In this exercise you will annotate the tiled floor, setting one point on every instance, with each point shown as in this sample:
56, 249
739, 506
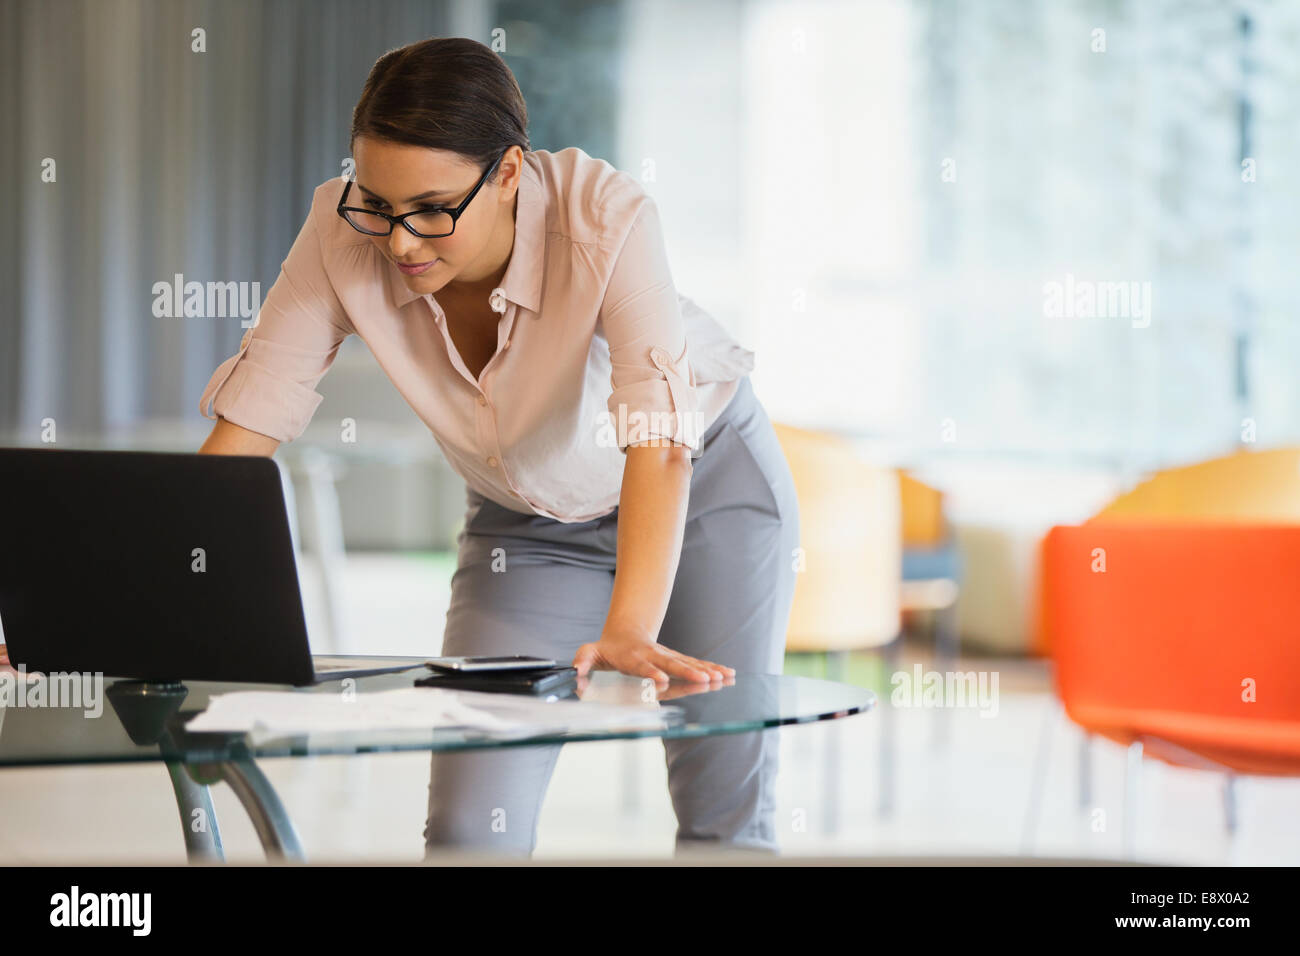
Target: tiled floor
607, 800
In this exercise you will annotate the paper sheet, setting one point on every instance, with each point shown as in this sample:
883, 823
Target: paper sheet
267, 713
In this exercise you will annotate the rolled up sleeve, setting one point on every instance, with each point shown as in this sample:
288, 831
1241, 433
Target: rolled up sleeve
269, 385
653, 397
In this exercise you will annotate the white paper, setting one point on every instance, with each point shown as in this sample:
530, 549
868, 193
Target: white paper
267, 713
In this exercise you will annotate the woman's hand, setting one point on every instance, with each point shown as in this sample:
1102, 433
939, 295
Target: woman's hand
4, 655
639, 656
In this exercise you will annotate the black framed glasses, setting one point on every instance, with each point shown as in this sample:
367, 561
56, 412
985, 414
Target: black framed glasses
433, 223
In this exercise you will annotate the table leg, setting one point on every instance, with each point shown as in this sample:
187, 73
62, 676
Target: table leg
198, 818
260, 801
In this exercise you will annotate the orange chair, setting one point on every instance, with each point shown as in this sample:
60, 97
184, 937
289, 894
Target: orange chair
1172, 619
1246, 486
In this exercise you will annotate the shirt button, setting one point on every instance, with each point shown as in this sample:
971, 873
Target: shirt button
492, 461
659, 355
482, 400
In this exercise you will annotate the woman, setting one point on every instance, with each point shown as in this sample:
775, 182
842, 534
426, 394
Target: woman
628, 504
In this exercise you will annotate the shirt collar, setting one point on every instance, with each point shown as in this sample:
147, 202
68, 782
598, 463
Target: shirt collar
522, 283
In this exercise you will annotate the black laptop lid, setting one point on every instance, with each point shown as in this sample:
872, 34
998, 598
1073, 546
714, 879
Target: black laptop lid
149, 565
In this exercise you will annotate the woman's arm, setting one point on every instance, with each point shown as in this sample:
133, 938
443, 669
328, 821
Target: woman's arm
227, 438
269, 386
651, 519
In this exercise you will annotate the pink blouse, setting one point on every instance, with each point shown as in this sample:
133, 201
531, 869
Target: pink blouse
595, 347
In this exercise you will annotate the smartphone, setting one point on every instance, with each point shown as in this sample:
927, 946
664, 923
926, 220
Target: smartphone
466, 664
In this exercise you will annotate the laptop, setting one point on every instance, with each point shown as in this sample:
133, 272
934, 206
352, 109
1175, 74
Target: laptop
156, 566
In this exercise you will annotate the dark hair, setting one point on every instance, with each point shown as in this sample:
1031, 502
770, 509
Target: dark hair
448, 93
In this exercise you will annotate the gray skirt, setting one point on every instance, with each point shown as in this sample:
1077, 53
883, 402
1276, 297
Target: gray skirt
730, 604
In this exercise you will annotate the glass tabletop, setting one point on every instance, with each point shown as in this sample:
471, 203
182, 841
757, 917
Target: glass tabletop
148, 723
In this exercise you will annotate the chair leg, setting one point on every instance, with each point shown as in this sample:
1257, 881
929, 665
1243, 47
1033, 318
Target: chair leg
1230, 802
1085, 771
835, 671
947, 647
1132, 798
290, 507
327, 539
1233, 794
947, 641
836, 665
1038, 778
831, 778
891, 656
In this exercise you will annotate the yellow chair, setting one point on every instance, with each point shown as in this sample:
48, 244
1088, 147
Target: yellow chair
923, 520
847, 593
1243, 486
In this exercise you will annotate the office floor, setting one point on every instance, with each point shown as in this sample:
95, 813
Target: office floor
606, 800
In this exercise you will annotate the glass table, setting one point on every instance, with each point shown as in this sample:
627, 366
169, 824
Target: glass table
142, 722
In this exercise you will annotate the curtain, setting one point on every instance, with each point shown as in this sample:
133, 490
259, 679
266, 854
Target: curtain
164, 160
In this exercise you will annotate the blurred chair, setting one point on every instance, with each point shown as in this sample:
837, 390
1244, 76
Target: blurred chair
1184, 646
1246, 486
847, 590
931, 575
